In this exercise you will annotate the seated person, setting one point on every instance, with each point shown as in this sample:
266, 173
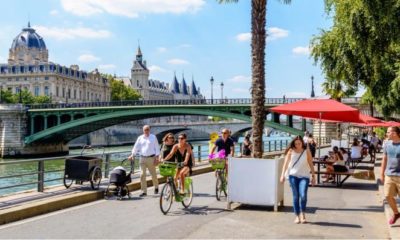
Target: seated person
356, 149
338, 164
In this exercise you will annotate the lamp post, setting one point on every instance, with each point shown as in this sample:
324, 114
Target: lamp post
222, 90
212, 84
20, 93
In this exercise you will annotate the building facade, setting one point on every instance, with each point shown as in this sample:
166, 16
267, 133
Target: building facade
151, 89
28, 68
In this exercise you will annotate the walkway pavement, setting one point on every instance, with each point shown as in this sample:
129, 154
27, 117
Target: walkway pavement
354, 211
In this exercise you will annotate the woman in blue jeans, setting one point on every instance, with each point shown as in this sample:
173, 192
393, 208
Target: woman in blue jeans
298, 165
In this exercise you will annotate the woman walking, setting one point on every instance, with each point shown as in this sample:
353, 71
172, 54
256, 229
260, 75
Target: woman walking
298, 165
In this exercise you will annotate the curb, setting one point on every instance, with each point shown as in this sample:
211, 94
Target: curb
33, 209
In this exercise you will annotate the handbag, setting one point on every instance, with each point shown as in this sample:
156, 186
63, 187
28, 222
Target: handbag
294, 164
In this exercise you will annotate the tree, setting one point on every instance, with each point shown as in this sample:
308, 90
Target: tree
119, 91
363, 48
258, 43
42, 99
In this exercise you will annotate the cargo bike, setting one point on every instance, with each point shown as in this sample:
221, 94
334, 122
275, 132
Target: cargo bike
83, 168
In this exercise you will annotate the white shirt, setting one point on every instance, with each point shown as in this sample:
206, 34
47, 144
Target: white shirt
146, 146
374, 141
356, 151
301, 169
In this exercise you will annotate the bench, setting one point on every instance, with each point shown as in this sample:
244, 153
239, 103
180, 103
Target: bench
339, 180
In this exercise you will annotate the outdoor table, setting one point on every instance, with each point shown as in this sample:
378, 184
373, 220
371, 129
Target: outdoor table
319, 162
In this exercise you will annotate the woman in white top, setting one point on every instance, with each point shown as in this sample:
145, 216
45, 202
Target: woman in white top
356, 149
298, 159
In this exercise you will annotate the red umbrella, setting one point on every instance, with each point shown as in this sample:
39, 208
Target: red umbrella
322, 109
368, 119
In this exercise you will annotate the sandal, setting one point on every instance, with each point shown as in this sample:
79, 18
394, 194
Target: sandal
394, 218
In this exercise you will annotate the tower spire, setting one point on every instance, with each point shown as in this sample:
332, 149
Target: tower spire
312, 86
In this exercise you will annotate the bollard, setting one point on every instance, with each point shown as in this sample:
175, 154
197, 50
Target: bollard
199, 153
107, 166
40, 186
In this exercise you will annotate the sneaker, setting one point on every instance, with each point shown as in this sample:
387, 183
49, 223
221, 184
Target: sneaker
143, 195
394, 218
156, 191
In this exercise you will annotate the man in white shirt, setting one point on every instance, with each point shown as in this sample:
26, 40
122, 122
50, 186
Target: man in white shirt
147, 146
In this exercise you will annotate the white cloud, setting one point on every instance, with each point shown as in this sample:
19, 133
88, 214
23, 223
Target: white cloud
86, 58
155, 68
240, 79
301, 50
71, 33
161, 49
54, 12
131, 8
177, 61
241, 90
106, 66
296, 95
243, 37
275, 33
185, 45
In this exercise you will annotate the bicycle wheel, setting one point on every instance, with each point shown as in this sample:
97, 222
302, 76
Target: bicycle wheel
95, 178
166, 198
67, 182
218, 186
188, 197
224, 184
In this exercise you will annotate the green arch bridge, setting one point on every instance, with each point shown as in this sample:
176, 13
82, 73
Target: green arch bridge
60, 123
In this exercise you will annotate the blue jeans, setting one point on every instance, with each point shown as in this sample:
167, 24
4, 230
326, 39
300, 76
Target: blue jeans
299, 189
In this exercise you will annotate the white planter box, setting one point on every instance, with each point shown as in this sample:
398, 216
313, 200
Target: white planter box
255, 181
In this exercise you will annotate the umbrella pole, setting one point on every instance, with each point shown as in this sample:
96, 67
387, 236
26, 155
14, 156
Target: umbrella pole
319, 134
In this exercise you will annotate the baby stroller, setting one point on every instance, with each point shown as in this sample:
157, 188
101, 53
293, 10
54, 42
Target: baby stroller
119, 180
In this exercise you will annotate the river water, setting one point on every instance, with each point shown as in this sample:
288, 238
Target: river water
116, 155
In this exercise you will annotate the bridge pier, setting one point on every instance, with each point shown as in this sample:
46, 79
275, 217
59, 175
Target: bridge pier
289, 120
275, 117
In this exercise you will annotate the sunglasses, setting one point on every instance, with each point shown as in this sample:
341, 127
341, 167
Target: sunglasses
171, 137
180, 138
224, 132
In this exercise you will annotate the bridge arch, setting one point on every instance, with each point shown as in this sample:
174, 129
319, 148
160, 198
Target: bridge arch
75, 128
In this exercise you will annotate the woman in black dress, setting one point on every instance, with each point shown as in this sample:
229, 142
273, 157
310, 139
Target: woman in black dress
182, 152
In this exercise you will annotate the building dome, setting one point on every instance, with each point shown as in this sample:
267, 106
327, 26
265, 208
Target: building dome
28, 38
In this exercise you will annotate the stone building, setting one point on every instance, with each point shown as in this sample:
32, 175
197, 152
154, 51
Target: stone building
151, 89
28, 68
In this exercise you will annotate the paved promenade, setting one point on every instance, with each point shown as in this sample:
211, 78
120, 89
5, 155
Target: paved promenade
354, 211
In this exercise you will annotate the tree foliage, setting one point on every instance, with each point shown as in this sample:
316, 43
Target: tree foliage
25, 97
119, 91
362, 49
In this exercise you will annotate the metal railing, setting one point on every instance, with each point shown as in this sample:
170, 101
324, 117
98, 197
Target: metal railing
43, 174
244, 101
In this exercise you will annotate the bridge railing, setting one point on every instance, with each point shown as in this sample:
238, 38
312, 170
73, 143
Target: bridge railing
246, 101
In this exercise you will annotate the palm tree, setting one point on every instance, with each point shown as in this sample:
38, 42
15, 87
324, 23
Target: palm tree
258, 43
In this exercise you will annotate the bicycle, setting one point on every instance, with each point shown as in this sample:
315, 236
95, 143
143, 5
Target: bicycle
170, 192
221, 184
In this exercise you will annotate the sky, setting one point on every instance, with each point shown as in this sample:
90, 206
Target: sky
196, 39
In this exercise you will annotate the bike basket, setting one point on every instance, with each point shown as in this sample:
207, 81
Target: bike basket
167, 170
217, 163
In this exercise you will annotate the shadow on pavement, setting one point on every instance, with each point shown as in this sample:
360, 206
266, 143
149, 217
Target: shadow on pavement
202, 210
332, 224
365, 209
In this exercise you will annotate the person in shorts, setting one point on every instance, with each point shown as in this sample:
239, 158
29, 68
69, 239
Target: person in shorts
390, 171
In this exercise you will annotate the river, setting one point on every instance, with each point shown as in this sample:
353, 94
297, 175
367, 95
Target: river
117, 154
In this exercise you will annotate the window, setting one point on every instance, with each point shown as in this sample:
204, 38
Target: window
17, 89
74, 93
63, 92
37, 91
46, 90
46, 78
57, 91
